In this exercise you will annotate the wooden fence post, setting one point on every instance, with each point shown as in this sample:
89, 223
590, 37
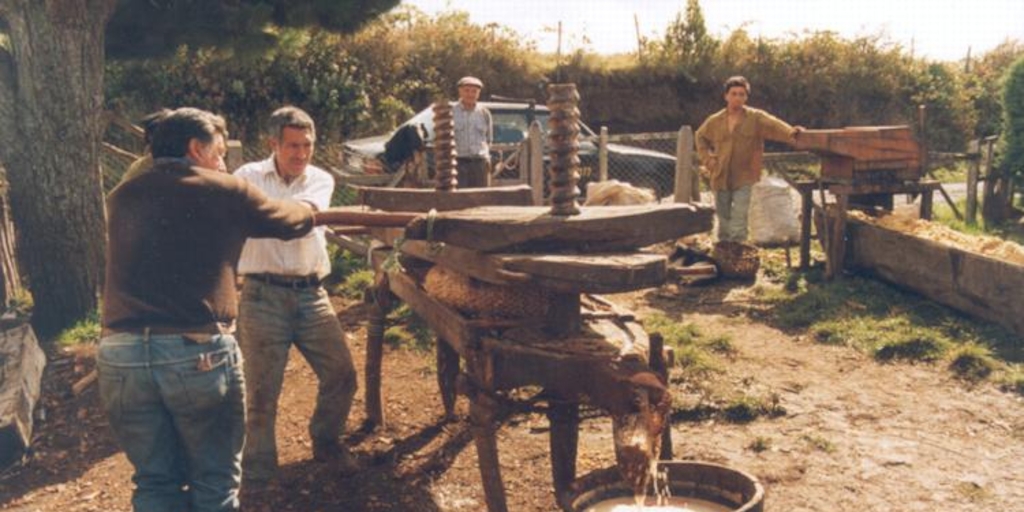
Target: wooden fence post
971, 209
536, 163
602, 155
687, 187
235, 157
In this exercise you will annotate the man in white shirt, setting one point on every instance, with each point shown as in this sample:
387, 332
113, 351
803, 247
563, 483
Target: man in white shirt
473, 135
283, 303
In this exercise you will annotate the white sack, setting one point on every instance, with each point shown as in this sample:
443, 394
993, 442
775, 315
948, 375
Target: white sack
773, 215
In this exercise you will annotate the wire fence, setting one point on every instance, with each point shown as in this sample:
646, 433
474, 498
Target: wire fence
644, 160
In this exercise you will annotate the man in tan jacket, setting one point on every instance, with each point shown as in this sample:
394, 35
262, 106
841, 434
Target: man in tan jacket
731, 146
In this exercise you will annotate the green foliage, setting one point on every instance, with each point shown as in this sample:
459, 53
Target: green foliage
408, 331
140, 28
687, 43
308, 70
1012, 143
984, 82
355, 284
86, 330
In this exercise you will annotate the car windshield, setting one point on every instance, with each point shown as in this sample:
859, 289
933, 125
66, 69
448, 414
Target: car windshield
510, 125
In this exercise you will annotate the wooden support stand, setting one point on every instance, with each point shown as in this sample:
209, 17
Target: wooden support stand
584, 349
846, 195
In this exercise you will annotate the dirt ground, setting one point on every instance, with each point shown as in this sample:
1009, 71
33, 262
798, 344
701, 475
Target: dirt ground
856, 435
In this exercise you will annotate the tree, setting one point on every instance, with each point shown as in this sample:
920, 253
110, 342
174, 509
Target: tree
52, 83
1013, 122
51, 90
687, 42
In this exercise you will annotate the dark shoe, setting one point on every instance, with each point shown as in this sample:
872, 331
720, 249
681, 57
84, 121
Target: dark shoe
338, 455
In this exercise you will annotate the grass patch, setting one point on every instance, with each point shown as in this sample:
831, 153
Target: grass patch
354, 285
85, 331
819, 443
915, 347
746, 408
973, 362
1013, 379
874, 317
344, 265
760, 444
408, 330
973, 492
695, 354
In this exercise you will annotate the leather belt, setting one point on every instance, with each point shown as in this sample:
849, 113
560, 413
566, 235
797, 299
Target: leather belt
293, 282
194, 334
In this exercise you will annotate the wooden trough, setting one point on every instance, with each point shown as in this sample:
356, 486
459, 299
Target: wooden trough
979, 285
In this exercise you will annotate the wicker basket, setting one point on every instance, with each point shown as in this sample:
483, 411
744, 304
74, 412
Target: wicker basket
736, 260
485, 300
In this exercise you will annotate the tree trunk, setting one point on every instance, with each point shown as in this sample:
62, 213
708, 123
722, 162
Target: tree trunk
10, 288
52, 79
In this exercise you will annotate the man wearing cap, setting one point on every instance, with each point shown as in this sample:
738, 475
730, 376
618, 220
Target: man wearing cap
473, 134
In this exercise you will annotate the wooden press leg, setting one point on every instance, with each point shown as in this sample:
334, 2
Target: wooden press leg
660, 366
447, 372
563, 317
926, 204
374, 359
806, 201
837, 244
483, 418
564, 441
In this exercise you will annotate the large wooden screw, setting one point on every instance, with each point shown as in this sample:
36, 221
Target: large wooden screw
444, 146
563, 148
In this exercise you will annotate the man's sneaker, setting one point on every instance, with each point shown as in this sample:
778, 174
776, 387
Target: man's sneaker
336, 454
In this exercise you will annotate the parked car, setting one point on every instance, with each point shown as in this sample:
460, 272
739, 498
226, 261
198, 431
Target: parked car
641, 167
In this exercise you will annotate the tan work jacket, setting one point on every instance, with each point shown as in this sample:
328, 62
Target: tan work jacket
739, 152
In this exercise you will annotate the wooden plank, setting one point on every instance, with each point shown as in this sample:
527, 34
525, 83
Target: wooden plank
21, 373
467, 261
975, 284
595, 229
596, 273
360, 216
445, 321
424, 200
588, 273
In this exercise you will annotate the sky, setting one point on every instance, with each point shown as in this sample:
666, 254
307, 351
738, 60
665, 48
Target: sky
936, 29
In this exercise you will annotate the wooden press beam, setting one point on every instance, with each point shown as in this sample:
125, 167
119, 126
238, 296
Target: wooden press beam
595, 229
424, 200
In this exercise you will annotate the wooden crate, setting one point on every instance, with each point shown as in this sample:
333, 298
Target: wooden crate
865, 153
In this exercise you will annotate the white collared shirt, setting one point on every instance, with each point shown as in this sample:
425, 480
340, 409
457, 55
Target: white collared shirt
299, 257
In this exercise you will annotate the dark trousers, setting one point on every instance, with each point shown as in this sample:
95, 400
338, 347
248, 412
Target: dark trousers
474, 172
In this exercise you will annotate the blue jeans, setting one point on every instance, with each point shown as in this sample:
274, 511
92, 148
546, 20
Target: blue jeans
732, 207
177, 408
271, 319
